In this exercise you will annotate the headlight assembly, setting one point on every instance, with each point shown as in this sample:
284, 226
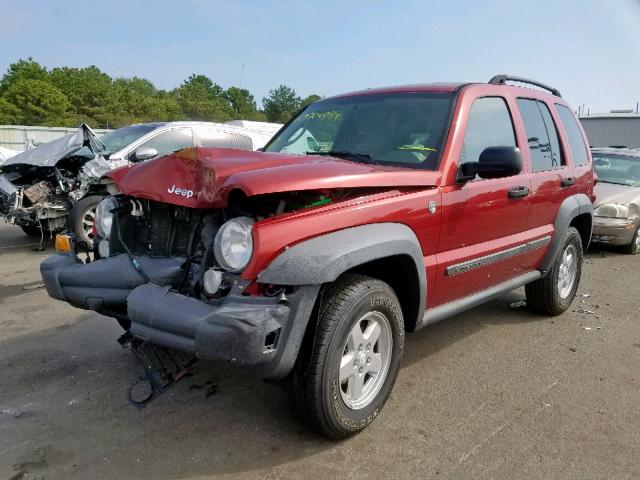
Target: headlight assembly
104, 217
612, 210
233, 245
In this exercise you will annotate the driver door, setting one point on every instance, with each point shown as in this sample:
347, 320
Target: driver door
483, 219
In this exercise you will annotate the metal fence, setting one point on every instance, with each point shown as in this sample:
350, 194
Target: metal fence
21, 137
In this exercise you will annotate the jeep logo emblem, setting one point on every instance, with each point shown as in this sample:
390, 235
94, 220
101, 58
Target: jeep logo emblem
183, 192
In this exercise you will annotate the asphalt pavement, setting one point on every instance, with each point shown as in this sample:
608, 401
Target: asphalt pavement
497, 392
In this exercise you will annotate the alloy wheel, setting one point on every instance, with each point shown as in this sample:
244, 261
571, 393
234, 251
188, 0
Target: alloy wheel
365, 360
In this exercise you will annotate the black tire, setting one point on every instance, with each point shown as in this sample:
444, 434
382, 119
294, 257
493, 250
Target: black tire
544, 295
32, 231
314, 388
78, 221
634, 247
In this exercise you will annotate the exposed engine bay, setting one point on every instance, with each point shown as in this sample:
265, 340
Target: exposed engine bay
145, 228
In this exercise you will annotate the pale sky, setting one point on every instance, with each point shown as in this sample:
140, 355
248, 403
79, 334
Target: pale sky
588, 49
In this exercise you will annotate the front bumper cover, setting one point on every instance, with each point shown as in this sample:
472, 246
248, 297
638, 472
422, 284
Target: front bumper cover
261, 332
613, 231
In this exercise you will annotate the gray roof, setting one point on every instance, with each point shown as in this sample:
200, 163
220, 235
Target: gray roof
612, 130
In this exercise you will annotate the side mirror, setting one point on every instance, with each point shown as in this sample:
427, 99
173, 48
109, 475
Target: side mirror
145, 153
494, 162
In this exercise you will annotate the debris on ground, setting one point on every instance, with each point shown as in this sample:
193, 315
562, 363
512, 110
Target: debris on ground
519, 304
33, 287
585, 295
573, 349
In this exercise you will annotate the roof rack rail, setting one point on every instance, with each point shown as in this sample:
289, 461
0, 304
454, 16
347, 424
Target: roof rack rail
502, 79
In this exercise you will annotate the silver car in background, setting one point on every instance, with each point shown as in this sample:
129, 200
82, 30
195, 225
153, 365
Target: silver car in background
617, 207
58, 185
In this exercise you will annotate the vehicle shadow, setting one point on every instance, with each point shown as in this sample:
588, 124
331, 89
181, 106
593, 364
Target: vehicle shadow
66, 387
12, 237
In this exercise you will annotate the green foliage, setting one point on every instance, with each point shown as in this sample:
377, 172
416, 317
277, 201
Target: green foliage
23, 70
310, 99
89, 92
9, 113
281, 104
201, 99
66, 96
242, 103
40, 103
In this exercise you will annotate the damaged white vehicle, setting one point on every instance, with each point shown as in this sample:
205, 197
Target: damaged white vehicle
59, 184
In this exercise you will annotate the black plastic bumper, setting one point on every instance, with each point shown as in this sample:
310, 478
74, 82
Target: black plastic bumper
104, 285
261, 332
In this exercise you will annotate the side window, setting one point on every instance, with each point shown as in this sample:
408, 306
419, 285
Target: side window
244, 142
170, 141
541, 135
489, 125
574, 136
214, 138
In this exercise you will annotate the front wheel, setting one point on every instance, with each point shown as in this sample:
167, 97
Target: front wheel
634, 247
553, 294
343, 378
82, 218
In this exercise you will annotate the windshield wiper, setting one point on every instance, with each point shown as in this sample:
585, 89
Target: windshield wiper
358, 157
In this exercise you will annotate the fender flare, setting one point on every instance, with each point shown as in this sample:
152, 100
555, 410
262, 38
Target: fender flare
324, 258
570, 208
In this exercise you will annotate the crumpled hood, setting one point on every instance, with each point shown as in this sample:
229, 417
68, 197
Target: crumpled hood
614, 193
203, 177
50, 153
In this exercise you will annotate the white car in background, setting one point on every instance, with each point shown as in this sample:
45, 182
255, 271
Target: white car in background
6, 154
58, 184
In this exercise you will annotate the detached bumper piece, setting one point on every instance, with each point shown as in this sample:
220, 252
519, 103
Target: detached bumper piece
162, 368
264, 333
104, 285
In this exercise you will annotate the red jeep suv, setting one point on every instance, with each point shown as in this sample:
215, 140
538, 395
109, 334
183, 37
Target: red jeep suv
368, 215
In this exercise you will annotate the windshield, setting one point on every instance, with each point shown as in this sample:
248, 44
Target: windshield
618, 169
118, 139
402, 129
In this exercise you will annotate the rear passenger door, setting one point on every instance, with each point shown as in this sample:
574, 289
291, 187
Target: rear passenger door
551, 176
482, 220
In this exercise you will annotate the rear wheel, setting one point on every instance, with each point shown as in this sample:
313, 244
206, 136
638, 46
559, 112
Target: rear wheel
553, 294
82, 218
343, 379
634, 247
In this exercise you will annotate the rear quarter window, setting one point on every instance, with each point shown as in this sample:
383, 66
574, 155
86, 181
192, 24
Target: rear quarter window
574, 136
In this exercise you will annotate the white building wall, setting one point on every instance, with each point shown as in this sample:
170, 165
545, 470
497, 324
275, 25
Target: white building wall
20, 137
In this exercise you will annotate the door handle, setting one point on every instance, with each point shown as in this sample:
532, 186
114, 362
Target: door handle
518, 192
567, 182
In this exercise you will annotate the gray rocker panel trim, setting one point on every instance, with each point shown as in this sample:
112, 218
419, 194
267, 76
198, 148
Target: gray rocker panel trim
441, 312
570, 208
324, 258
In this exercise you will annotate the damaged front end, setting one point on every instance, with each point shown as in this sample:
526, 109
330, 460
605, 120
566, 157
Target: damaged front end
35, 198
173, 281
40, 186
